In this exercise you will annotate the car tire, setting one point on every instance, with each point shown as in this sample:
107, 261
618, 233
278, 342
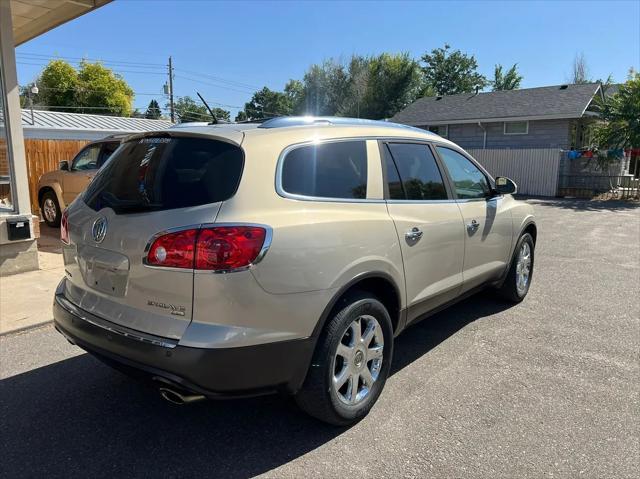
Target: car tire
364, 358
50, 209
516, 284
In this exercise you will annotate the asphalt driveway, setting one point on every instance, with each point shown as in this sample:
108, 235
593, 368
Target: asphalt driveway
550, 387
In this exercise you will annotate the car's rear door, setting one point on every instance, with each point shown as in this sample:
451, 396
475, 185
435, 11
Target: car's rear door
488, 225
428, 224
151, 186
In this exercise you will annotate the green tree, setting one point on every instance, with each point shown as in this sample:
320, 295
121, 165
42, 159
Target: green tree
393, 81
58, 85
221, 114
326, 87
153, 110
241, 116
294, 89
620, 115
92, 88
451, 72
187, 109
103, 89
267, 103
506, 81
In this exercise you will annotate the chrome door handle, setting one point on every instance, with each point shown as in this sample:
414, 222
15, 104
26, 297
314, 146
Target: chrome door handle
414, 234
473, 226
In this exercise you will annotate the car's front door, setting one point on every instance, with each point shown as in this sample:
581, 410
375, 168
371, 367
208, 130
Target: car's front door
428, 223
83, 169
488, 226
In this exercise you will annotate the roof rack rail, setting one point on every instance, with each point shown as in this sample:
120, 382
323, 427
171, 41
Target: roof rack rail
288, 121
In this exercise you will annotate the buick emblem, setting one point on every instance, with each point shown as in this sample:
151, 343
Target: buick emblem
99, 229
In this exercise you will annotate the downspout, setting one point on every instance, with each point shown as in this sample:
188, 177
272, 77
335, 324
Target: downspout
484, 139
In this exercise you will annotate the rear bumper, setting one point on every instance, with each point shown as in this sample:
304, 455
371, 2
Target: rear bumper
215, 372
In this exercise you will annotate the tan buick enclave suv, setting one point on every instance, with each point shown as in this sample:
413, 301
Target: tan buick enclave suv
231, 260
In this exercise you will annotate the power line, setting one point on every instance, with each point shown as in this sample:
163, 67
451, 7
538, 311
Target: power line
118, 71
246, 90
212, 78
211, 101
95, 91
219, 79
54, 57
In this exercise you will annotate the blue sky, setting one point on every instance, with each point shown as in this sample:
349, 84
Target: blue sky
232, 48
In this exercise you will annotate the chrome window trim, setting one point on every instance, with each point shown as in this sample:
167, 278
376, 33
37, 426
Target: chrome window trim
426, 202
268, 238
293, 196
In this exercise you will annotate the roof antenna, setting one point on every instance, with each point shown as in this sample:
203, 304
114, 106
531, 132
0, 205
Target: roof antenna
477, 89
215, 120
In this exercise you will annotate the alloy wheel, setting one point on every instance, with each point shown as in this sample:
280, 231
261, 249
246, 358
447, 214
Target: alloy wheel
523, 268
358, 360
49, 210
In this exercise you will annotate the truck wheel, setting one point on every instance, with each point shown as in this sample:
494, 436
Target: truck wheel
351, 362
50, 209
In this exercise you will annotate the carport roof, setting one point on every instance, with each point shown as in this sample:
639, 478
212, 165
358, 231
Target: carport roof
56, 120
34, 17
550, 102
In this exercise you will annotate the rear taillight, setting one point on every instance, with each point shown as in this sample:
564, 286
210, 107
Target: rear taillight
173, 250
222, 248
228, 247
64, 227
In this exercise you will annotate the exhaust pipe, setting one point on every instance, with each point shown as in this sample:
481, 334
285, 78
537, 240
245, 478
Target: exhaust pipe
175, 397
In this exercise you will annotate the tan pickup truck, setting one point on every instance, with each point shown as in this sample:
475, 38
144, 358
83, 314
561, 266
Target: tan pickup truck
56, 189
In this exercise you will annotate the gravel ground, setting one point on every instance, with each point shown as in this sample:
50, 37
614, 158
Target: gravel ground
549, 387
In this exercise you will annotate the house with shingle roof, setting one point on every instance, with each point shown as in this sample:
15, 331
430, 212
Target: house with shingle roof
546, 117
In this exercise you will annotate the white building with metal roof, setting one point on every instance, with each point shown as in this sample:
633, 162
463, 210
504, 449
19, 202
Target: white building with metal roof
55, 125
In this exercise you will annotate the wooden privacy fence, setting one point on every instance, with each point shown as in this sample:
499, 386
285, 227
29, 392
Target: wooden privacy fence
534, 170
44, 156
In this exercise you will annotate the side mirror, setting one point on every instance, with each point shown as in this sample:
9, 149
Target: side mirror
64, 165
505, 186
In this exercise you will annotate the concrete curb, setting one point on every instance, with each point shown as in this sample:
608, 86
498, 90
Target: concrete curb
26, 328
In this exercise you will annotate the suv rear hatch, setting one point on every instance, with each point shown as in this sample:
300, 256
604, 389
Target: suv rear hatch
150, 186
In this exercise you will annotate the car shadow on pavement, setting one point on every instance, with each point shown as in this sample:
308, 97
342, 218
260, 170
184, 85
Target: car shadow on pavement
78, 417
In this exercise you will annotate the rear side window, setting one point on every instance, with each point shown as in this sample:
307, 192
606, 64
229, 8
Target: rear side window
327, 170
162, 173
412, 173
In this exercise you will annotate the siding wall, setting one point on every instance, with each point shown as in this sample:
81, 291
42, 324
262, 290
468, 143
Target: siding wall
542, 134
534, 170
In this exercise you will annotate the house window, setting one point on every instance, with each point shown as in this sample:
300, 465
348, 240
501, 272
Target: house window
442, 130
516, 127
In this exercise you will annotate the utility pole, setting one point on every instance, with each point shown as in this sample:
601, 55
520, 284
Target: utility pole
171, 106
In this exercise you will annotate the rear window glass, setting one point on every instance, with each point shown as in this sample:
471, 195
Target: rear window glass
162, 173
328, 170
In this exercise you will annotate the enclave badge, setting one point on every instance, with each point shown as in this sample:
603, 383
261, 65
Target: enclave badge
99, 229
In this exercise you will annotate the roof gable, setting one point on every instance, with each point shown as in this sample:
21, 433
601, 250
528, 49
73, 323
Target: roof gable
560, 101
